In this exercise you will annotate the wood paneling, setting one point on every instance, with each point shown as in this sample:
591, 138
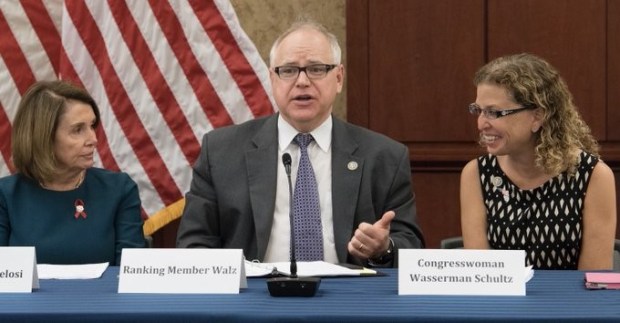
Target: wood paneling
613, 70
437, 196
569, 34
422, 57
357, 64
166, 237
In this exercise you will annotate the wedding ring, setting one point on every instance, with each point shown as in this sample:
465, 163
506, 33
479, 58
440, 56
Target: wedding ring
361, 246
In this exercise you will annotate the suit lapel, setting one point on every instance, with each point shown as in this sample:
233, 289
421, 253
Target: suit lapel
262, 172
346, 178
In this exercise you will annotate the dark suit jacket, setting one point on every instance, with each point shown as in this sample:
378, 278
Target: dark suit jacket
231, 200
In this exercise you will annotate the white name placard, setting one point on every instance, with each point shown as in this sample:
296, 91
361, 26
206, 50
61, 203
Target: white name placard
461, 272
190, 271
18, 270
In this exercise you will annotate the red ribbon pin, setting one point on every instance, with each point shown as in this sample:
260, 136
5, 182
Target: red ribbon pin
79, 209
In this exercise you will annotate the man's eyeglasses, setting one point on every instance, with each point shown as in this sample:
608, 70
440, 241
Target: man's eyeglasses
495, 114
314, 71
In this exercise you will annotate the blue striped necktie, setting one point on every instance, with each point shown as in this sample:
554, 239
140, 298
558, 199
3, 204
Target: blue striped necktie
306, 207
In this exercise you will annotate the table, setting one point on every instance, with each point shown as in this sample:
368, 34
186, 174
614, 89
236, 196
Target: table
551, 296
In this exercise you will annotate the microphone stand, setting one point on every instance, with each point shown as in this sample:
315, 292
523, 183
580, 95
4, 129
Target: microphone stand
292, 285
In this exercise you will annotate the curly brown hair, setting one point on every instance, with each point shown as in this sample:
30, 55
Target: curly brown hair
532, 81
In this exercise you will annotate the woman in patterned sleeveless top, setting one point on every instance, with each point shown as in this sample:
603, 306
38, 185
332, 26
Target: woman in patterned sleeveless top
542, 187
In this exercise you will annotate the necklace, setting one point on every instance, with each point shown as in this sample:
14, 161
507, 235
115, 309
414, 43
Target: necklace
80, 180
77, 184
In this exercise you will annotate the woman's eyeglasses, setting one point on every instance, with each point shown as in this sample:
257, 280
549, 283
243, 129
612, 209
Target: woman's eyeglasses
495, 114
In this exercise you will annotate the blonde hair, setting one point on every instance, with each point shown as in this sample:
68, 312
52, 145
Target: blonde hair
531, 81
35, 125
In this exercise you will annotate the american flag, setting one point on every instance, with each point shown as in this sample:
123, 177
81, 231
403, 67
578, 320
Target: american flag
162, 72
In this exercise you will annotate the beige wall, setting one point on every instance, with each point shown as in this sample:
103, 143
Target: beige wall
264, 20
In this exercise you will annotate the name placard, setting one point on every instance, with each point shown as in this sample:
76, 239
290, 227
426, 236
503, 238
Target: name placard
18, 270
190, 271
461, 272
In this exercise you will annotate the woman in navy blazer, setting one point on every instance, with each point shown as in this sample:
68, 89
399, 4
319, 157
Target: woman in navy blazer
70, 211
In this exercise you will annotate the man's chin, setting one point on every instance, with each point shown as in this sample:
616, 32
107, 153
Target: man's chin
301, 117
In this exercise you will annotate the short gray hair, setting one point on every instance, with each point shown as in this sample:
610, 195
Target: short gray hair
302, 23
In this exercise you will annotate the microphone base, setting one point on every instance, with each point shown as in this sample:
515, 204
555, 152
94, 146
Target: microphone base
293, 287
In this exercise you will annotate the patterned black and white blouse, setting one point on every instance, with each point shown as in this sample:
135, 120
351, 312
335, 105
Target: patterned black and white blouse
545, 221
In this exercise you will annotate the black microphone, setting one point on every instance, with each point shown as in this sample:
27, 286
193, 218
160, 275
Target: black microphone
292, 285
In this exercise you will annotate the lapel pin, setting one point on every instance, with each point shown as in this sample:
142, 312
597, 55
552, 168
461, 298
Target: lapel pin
79, 209
497, 181
352, 165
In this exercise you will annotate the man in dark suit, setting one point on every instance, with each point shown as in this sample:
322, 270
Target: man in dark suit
239, 196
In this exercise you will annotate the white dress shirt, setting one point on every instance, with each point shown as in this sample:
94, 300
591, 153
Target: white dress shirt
320, 153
